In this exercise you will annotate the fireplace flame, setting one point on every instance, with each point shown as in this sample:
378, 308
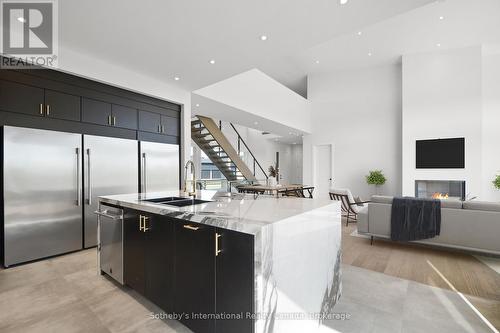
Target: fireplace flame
439, 195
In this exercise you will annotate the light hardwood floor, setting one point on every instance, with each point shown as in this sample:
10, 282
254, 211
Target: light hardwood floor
435, 267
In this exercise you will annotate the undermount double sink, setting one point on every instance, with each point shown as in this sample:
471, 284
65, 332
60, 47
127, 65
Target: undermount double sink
177, 201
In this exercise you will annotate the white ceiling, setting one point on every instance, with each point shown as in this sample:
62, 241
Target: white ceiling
438, 26
167, 38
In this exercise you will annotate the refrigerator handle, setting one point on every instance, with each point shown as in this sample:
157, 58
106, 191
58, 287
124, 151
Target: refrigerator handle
78, 190
89, 179
144, 188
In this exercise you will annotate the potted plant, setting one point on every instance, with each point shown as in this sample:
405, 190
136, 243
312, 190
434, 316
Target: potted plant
273, 173
496, 182
377, 178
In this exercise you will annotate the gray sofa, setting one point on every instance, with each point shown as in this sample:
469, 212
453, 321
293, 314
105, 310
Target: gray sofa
471, 225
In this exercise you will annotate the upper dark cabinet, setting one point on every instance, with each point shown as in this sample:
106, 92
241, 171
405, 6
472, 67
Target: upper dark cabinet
169, 125
124, 117
62, 106
149, 122
15, 97
96, 112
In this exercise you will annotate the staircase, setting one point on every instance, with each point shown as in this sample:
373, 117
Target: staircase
208, 136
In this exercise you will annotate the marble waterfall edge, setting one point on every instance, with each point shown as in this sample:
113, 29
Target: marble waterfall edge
298, 272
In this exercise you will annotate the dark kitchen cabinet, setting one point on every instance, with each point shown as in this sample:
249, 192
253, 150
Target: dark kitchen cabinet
191, 268
52, 100
15, 97
134, 268
124, 117
107, 114
195, 274
62, 106
160, 261
149, 256
96, 112
169, 125
149, 122
234, 270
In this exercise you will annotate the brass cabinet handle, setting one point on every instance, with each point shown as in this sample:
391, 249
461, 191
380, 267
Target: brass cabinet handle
109, 120
159, 128
140, 222
47, 110
145, 219
190, 227
114, 121
217, 251
162, 129
41, 109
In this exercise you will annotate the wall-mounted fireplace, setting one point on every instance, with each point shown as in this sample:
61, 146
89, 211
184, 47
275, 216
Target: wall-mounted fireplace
440, 189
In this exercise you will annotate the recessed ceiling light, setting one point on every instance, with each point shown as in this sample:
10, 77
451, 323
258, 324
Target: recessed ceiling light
255, 122
176, 78
21, 19
369, 54
263, 37
441, 17
212, 61
360, 33
438, 44
197, 105
317, 61
343, 2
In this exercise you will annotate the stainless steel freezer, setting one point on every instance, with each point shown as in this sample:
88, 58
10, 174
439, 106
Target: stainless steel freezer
159, 167
42, 193
110, 167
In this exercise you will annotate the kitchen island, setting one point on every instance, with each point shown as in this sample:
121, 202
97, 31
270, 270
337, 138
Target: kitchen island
235, 263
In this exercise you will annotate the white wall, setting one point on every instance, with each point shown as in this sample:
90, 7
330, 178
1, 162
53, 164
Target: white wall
92, 68
359, 112
442, 99
491, 125
254, 95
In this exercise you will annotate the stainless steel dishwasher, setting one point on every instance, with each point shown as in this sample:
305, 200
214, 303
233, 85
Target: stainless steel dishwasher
110, 241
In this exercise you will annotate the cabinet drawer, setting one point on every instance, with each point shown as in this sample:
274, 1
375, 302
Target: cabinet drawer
15, 97
62, 106
95, 112
149, 121
124, 117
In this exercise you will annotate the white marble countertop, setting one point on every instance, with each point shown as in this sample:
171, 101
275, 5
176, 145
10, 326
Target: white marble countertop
239, 212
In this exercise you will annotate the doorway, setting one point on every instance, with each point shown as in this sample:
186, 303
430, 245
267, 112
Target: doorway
323, 169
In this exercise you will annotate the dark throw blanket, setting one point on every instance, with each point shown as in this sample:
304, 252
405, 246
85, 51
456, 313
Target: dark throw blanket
415, 218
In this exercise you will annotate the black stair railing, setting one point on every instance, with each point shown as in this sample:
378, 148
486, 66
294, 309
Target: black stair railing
240, 141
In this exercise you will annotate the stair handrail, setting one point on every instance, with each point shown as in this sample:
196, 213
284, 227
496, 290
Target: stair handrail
255, 161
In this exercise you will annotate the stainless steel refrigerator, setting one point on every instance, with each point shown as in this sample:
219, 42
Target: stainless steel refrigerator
159, 167
51, 182
42, 193
110, 167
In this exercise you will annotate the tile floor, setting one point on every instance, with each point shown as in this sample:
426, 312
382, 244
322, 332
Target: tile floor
65, 294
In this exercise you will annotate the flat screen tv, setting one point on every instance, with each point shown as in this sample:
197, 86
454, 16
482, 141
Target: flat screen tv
441, 154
